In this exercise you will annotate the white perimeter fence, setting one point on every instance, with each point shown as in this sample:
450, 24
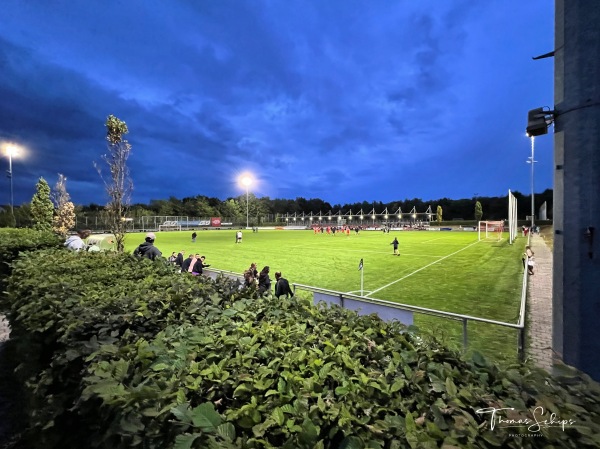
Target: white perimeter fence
404, 313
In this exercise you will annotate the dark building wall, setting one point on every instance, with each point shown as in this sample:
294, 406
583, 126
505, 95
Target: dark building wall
576, 281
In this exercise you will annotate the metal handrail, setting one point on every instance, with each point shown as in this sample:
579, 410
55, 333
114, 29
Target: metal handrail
520, 325
396, 305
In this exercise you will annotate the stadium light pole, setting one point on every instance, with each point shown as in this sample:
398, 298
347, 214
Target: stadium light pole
531, 160
11, 150
246, 181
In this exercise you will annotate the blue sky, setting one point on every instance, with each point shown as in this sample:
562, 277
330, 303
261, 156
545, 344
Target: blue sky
346, 101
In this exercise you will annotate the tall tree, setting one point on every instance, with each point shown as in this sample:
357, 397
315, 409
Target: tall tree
42, 209
439, 215
478, 211
120, 185
64, 216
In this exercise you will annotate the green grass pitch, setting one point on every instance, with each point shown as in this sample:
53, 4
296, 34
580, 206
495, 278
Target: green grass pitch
449, 271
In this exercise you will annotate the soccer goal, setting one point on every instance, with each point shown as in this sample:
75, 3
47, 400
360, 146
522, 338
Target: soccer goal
490, 230
170, 226
512, 217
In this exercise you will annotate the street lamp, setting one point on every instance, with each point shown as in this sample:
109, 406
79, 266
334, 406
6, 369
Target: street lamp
246, 181
530, 160
11, 150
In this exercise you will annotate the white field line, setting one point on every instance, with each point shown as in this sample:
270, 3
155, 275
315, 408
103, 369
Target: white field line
431, 240
422, 268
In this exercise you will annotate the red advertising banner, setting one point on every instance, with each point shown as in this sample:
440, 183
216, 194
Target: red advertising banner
215, 221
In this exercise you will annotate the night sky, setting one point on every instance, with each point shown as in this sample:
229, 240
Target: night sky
346, 101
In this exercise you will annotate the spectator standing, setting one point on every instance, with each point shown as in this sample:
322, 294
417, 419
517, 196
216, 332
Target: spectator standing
179, 259
395, 244
282, 286
199, 266
253, 269
147, 249
529, 256
188, 264
264, 281
75, 242
250, 275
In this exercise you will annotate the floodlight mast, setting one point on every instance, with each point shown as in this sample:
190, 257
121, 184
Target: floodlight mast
537, 125
246, 181
11, 150
532, 161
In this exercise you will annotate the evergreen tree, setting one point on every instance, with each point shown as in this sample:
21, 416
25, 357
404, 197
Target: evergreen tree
42, 209
478, 211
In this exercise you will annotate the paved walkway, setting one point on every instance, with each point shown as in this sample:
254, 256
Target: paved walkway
540, 305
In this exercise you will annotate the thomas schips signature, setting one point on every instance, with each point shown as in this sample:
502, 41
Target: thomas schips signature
536, 423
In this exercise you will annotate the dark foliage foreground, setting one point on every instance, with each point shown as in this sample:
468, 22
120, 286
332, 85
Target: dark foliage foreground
125, 353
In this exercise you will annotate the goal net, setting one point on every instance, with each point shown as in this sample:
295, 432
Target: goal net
170, 226
490, 230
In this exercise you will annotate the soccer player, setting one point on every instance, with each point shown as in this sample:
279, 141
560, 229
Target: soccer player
395, 244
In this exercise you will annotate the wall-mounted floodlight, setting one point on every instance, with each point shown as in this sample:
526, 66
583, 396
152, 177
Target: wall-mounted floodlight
537, 121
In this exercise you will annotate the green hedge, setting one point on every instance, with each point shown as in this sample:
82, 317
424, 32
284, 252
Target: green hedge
127, 353
14, 241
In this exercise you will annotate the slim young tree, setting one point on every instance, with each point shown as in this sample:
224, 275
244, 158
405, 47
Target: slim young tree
120, 185
478, 211
439, 215
42, 209
64, 216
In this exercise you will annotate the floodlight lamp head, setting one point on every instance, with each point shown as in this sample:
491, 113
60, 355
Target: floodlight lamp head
537, 123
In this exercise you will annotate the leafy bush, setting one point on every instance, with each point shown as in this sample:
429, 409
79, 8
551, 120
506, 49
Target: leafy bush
126, 353
15, 241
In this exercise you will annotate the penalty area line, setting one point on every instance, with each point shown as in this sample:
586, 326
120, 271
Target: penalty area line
420, 269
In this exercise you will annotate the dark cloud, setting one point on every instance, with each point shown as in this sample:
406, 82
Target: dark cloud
342, 100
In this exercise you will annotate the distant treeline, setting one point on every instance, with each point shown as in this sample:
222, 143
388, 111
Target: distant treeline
494, 208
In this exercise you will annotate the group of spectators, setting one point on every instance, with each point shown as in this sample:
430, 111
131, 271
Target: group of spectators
262, 282
195, 264
533, 229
